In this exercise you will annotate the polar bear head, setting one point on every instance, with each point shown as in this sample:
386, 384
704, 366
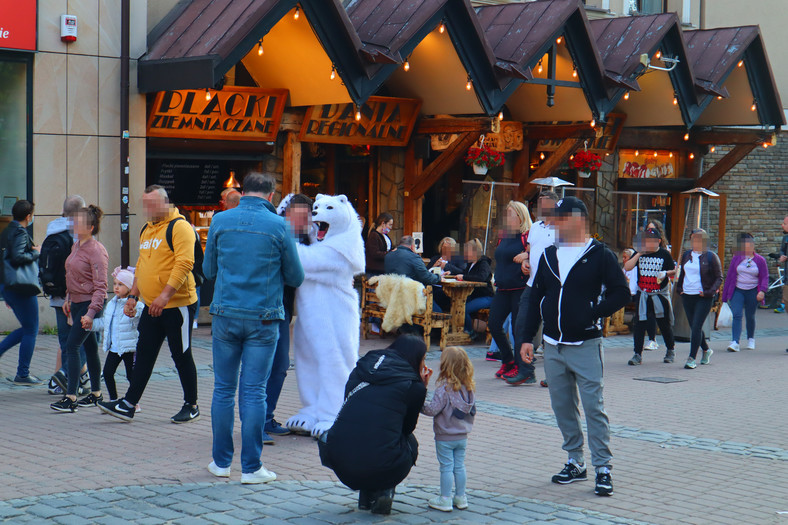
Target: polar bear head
333, 215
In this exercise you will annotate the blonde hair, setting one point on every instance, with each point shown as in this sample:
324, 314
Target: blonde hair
446, 240
456, 369
476, 244
522, 212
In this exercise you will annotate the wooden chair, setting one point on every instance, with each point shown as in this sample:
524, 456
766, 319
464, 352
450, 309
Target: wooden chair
429, 320
484, 316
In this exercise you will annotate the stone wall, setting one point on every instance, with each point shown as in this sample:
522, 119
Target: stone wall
392, 186
605, 224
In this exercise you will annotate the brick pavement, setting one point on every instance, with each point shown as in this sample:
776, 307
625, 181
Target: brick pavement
707, 450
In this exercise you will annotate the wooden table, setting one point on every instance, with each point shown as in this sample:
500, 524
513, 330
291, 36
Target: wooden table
458, 292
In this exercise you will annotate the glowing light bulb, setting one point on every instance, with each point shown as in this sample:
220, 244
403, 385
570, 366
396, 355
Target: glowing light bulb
500, 115
297, 13
358, 114
207, 94
655, 154
754, 106
469, 84
659, 55
691, 156
626, 95
741, 63
675, 101
686, 136
260, 48
765, 145
593, 123
558, 40
406, 66
574, 73
671, 155
442, 28
541, 155
637, 153
571, 157
713, 149
607, 154
539, 69
333, 73
719, 97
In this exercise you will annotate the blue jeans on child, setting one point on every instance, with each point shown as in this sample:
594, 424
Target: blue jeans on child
451, 456
743, 302
248, 346
473, 306
25, 308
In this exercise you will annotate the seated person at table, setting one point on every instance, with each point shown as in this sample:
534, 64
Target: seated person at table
477, 270
405, 261
448, 258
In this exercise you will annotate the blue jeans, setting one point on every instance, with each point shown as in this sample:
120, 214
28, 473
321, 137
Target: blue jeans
472, 306
25, 309
743, 302
451, 456
248, 346
63, 328
281, 364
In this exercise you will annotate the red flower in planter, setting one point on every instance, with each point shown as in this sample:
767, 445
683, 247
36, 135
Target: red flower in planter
586, 161
484, 156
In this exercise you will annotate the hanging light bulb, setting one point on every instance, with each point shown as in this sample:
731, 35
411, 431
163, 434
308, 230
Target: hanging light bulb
207, 94
593, 123
607, 154
469, 84
713, 149
655, 154
333, 72
571, 157
691, 156
500, 115
539, 68
765, 145
686, 136
260, 48
675, 100
541, 155
297, 13
754, 106
637, 152
741, 63
671, 155
719, 97
658, 55
574, 72
406, 66
558, 40
626, 95
358, 113
442, 28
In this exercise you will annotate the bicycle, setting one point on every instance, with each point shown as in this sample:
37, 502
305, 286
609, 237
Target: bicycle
774, 294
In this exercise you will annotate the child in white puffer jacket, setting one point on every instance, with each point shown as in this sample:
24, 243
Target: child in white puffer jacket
120, 330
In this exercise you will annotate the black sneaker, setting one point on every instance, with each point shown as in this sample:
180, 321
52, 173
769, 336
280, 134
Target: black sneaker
118, 409
496, 356
90, 400
28, 380
604, 484
54, 389
381, 501
572, 472
64, 405
522, 378
59, 378
186, 415
84, 384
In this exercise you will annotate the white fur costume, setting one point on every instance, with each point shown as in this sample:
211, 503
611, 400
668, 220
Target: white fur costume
326, 331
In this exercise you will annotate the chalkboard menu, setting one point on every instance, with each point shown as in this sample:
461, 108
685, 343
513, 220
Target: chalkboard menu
190, 182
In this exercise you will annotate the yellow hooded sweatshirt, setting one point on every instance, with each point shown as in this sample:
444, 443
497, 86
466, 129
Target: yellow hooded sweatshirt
159, 266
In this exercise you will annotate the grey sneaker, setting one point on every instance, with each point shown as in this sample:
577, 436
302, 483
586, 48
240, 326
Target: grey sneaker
706, 356
28, 380
637, 359
670, 355
690, 364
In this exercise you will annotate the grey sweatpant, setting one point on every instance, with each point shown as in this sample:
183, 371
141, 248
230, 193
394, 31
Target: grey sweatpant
568, 369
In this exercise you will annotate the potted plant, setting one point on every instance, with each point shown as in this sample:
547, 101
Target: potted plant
586, 163
483, 158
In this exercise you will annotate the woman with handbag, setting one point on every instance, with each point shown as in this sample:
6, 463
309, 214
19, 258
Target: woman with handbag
20, 287
86, 290
745, 286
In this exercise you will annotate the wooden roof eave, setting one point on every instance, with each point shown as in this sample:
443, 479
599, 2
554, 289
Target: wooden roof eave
763, 85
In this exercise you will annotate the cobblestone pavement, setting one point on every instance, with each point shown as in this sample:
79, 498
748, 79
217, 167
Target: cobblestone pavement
708, 448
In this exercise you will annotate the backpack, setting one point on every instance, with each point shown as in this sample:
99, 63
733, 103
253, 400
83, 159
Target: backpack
199, 278
52, 263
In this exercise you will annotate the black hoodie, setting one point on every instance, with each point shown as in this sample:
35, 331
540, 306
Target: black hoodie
571, 312
370, 446
479, 272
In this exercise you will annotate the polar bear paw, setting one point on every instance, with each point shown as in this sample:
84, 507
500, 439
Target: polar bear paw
321, 427
301, 424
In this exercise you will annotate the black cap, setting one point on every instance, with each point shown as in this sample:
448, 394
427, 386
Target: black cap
570, 205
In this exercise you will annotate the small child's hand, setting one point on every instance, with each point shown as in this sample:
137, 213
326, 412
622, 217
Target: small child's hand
426, 373
87, 322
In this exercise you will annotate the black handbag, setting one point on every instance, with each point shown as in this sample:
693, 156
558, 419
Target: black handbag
23, 279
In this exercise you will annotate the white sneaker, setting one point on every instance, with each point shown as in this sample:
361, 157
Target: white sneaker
441, 503
652, 345
750, 344
218, 471
734, 347
195, 325
261, 476
461, 502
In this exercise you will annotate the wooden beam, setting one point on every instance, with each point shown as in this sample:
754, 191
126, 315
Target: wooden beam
438, 167
291, 171
408, 203
632, 138
453, 125
724, 165
731, 136
522, 169
584, 131
551, 163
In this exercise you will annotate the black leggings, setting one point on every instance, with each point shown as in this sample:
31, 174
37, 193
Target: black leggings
507, 302
697, 309
651, 321
174, 324
77, 337
111, 365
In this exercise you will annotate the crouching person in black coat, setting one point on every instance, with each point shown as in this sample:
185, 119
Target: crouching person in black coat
371, 447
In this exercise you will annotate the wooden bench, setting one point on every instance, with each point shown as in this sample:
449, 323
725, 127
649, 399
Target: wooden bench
429, 320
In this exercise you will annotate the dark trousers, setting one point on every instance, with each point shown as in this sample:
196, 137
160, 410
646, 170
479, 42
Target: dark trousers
279, 369
77, 337
174, 324
507, 302
111, 365
63, 328
697, 309
652, 321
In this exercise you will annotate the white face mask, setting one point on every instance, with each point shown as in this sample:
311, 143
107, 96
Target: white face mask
32, 218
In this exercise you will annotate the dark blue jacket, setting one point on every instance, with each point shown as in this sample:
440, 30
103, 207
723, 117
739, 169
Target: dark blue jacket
509, 274
403, 261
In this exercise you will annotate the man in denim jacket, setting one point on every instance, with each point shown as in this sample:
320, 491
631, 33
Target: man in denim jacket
252, 255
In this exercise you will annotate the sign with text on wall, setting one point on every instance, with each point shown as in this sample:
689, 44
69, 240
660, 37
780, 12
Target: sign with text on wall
384, 121
18, 25
647, 164
232, 113
607, 134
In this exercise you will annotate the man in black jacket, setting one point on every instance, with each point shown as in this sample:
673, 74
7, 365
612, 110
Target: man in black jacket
578, 282
405, 261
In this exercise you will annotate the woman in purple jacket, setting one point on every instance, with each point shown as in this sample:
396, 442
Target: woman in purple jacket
745, 286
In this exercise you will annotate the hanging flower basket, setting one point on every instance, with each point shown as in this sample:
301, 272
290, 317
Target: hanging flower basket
483, 158
586, 163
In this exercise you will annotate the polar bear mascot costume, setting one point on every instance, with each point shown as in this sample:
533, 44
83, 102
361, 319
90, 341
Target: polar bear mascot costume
326, 332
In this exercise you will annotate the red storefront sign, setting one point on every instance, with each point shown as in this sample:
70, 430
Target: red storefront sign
18, 24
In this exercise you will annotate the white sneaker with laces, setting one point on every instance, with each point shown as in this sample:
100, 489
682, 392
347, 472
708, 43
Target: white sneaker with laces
750, 344
261, 476
461, 502
442, 503
734, 347
218, 471
652, 345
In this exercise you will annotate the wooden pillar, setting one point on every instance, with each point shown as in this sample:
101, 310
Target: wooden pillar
331, 166
291, 171
409, 204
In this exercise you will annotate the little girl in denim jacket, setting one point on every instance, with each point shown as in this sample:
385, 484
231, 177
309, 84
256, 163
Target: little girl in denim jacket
453, 409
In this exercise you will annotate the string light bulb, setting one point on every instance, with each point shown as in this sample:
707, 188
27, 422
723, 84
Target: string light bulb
658, 55
358, 113
406, 66
571, 157
686, 136
675, 100
765, 145
207, 94
691, 156
637, 152
574, 72
559, 40
741, 63
671, 155
442, 28
541, 155
754, 106
260, 48
719, 97
626, 95
297, 13
655, 154
593, 123
469, 84
500, 115
539, 68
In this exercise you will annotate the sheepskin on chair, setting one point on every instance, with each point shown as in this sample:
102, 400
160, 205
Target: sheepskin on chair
402, 297
326, 331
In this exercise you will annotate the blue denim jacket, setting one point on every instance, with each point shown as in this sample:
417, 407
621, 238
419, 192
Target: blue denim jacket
251, 254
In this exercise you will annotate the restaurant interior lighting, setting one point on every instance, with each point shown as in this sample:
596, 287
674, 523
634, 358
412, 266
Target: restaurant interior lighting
297, 13
626, 95
719, 97
442, 28
659, 55
260, 47
207, 94
333, 72
469, 83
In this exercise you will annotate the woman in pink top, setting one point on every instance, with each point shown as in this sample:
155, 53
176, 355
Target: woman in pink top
86, 284
745, 286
